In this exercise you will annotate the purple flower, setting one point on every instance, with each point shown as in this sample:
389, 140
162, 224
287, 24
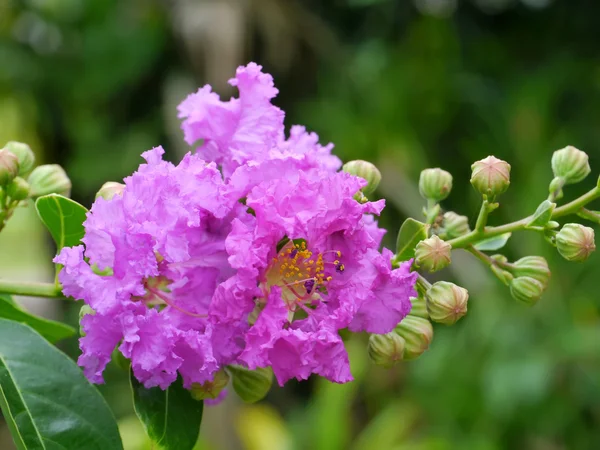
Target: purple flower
153, 259
307, 266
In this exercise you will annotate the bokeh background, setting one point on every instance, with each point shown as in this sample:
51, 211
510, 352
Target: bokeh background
407, 84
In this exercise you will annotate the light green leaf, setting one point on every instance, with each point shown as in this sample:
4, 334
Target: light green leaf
542, 214
493, 243
171, 417
411, 233
47, 402
63, 217
49, 329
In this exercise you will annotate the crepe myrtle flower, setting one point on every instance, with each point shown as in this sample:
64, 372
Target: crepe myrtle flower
307, 266
152, 260
248, 134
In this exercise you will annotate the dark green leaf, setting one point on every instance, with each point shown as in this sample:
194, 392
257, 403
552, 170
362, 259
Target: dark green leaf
411, 233
171, 417
494, 243
542, 214
46, 400
63, 217
51, 330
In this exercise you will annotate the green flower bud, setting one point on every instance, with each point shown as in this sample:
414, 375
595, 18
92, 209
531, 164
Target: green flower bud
366, 171
446, 302
433, 254
417, 334
386, 350
24, 154
9, 167
490, 176
251, 385
455, 225
526, 289
210, 389
110, 189
497, 269
49, 179
575, 242
120, 361
535, 267
435, 184
18, 189
570, 164
419, 306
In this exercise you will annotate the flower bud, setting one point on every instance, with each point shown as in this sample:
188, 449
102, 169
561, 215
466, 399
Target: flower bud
535, 267
110, 189
417, 334
433, 254
446, 302
490, 176
210, 389
9, 167
526, 289
366, 171
435, 184
419, 306
570, 164
18, 189
251, 385
575, 242
49, 179
386, 350
455, 225
120, 360
24, 155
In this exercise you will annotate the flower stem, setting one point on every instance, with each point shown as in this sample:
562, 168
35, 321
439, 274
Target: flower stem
32, 289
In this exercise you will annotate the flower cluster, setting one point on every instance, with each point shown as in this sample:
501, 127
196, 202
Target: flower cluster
252, 251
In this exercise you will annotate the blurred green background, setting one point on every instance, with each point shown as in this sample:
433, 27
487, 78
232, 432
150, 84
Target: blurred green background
407, 84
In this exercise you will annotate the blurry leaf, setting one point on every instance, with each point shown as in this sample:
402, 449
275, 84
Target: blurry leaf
411, 233
171, 417
494, 243
46, 400
390, 427
63, 217
542, 214
49, 329
260, 427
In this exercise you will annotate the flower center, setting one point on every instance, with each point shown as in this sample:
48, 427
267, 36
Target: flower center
301, 273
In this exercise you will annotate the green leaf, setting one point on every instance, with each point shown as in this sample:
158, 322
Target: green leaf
493, 243
63, 217
411, 233
49, 329
47, 402
171, 417
542, 214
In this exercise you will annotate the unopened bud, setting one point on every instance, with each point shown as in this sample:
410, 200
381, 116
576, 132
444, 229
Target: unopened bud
575, 242
455, 225
417, 334
490, 176
386, 350
419, 306
446, 302
433, 254
570, 164
535, 267
251, 385
18, 189
9, 167
503, 275
526, 289
110, 189
435, 184
24, 155
49, 179
210, 389
366, 171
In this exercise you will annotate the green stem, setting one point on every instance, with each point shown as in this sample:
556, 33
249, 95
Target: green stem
489, 232
30, 289
482, 217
